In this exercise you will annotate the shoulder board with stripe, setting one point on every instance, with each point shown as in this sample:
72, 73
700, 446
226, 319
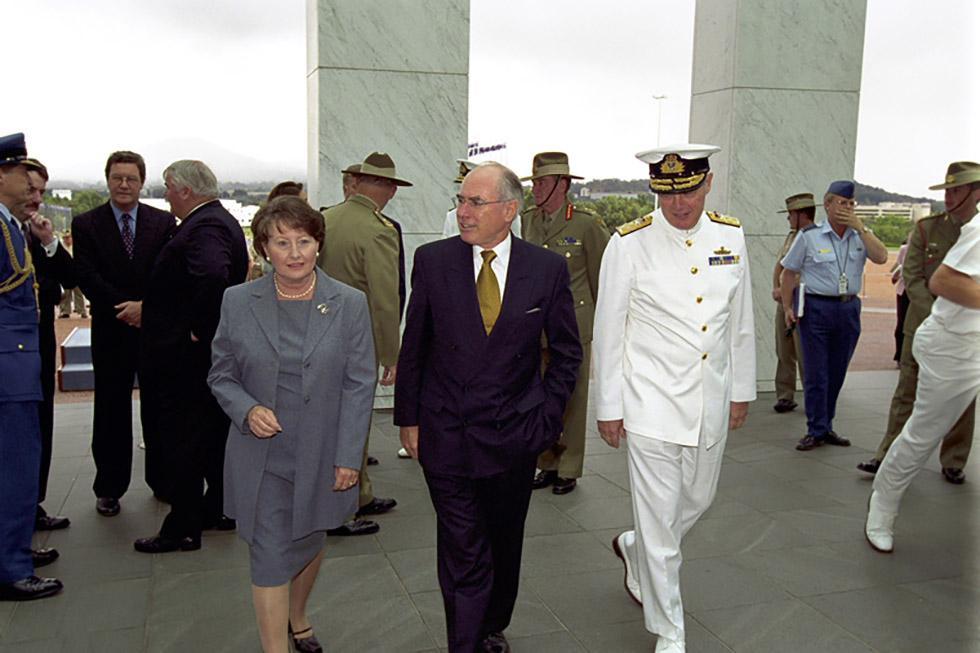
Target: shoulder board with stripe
724, 219
635, 225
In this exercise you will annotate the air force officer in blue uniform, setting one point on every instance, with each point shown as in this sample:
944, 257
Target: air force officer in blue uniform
829, 263
20, 387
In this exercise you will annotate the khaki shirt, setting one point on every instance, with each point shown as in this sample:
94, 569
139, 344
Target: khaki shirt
360, 248
929, 241
580, 237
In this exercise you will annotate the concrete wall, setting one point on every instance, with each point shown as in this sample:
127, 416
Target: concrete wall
776, 84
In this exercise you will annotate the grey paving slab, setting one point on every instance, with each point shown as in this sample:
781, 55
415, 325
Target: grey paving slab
777, 627
895, 620
722, 583
727, 536
416, 569
86, 608
778, 563
583, 600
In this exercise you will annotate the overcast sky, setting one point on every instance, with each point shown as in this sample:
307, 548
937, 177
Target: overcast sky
228, 77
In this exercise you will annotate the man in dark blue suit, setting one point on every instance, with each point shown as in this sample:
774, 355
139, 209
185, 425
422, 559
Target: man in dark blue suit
183, 425
53, 269
20, 386
471, 401
115, 247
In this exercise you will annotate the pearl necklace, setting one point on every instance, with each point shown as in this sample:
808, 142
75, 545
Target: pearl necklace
275, 282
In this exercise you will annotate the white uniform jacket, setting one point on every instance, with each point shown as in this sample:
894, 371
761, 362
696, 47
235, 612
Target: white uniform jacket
674, 337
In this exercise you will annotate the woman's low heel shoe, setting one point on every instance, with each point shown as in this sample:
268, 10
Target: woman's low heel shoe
306, 644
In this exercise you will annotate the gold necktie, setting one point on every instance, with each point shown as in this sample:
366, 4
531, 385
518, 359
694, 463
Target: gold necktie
488, 291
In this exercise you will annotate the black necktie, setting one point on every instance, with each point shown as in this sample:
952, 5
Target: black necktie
127, 234
26, 228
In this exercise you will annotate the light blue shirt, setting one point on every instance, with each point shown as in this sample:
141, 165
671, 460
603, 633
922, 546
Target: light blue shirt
820, 256
116, 211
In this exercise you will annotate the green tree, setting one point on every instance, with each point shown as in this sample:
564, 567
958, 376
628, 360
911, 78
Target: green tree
891, 229
80, 202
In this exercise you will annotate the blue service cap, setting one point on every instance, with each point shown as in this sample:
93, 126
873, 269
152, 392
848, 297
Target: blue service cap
843, 188
13, 149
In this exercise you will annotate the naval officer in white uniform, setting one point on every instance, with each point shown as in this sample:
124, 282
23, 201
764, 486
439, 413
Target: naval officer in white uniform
674, 360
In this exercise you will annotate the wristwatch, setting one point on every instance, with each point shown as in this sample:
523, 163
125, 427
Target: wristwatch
865, 229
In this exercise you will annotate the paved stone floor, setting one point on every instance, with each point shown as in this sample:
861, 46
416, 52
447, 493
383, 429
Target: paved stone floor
778, 564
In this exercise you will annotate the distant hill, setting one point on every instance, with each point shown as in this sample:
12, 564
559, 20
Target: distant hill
864, 194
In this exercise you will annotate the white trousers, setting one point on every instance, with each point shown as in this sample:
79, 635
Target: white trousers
949, 379
672, 487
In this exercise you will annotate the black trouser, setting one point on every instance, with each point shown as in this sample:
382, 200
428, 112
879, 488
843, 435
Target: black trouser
47, 345
480, 537
115, 356
188, 443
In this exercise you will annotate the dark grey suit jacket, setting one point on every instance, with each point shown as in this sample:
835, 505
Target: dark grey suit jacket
339, 374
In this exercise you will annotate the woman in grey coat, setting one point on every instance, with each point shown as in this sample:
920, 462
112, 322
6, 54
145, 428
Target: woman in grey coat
293, 367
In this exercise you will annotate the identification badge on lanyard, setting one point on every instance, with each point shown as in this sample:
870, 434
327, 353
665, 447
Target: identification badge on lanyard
842, 284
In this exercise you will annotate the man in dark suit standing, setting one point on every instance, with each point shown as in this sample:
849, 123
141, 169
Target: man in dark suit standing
115, 246
185, 427
53, 269
470, 399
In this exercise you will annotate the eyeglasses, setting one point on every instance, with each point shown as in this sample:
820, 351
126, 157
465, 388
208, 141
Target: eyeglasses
119, 179
476, 202
845, 202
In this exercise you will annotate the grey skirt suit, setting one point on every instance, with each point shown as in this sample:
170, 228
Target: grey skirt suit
312, 363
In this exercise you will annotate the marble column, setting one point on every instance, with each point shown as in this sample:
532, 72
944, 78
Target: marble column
393, 77
776, 84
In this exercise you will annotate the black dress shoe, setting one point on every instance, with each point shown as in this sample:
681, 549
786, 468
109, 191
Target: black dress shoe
496, 643
30, 588
371, 460
160, 544
308, 644
836, 440
222, 523
564, 485
544, 478
954, 475
870, 467
49, 523
42, 557
107, 506
376, 507
355, 527
784, 405
808, 442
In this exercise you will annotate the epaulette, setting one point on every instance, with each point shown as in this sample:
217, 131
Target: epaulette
529, 209
933, 216
635, 225
385, 221
723, 219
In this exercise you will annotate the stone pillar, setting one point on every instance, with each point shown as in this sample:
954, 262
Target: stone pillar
776, 84
389, 76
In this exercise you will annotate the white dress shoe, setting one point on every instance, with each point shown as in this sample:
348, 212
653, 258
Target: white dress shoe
403, 453
632, 585
880, 526
665, 645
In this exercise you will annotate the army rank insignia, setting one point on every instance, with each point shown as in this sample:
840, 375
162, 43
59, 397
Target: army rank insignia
729, 259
